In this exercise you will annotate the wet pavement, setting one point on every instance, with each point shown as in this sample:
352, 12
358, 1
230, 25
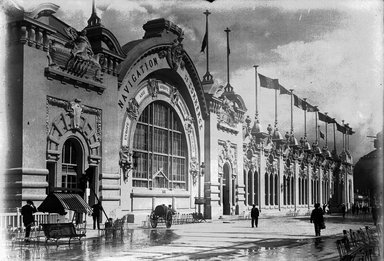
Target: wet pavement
279, 238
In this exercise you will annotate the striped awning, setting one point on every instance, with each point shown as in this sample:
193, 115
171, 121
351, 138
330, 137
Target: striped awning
59, 202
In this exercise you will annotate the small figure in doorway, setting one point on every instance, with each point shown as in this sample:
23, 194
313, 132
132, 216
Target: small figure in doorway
96, 209
255, 216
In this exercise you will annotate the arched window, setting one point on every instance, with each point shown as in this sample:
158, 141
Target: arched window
160, 150
71, 160
266, 187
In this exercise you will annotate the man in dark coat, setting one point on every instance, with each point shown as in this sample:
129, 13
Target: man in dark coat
28, 218
96, 209
317, 218
255, 215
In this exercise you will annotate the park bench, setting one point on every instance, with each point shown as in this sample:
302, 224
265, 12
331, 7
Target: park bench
56, 231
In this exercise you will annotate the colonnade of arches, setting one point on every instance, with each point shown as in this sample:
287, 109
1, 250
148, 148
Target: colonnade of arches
284, 192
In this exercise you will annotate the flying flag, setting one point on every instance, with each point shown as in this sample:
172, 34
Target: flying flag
322, 135
348, 130
311, 108
268, 82
299, 103
325, 118
283, 90
204, 43
340, 128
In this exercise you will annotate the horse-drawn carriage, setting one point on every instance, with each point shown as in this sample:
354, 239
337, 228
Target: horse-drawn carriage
161, 214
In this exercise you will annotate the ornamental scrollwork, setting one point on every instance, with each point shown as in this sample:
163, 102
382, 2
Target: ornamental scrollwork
175, 96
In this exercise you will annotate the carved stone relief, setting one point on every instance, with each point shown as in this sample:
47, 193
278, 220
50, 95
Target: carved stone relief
64, 116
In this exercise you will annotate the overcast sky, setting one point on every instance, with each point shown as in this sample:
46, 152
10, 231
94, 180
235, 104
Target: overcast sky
328, 52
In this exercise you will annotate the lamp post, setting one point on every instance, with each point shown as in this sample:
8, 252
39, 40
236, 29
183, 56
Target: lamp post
201, 174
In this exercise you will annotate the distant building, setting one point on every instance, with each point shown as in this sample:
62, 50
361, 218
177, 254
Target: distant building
368, 173
134, 126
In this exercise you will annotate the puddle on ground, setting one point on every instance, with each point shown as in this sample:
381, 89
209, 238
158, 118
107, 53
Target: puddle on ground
90, 249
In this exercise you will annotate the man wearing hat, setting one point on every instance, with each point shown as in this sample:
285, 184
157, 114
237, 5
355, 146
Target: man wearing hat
28, 218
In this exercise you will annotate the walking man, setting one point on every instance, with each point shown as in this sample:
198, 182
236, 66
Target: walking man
28, 218
317, 219
343, 210
255, 215
96, 209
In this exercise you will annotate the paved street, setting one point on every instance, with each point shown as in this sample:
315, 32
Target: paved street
279, 238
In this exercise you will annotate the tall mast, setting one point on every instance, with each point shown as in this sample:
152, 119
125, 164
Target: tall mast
207, 76
256, 97
326, 130
291, 110
228, 87
305, 120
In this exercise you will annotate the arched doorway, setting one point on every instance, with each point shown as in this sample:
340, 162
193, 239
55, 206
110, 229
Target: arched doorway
68, 179
227, 189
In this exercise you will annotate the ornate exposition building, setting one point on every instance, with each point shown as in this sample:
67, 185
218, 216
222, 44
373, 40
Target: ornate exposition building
134, 126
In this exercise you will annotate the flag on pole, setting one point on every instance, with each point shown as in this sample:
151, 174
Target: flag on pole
322, 135
204, 43
311, 108
283, 90
299, 103
340, 128
269, 83
325, 118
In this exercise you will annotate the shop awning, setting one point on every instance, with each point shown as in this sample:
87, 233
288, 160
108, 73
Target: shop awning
59, 202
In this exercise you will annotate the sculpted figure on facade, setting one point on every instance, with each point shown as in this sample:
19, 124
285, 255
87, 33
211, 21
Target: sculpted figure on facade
153, 87
76, 56
133, 109
75, 109
126, 161
175, 55
227, 113
175, 96
194, 169
188, 124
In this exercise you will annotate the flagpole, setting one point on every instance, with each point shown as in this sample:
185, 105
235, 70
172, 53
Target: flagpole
305, 120
316, 125
207, 77
275, 108
343, 136
334, 136
257, 104
291, 110
326, 130
227, 31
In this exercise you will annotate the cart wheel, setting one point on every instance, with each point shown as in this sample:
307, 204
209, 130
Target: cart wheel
153, 220
168, 222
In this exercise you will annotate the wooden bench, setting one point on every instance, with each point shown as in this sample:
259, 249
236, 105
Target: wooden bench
57, 231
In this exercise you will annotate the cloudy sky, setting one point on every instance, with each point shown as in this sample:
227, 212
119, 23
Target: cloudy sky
328, 52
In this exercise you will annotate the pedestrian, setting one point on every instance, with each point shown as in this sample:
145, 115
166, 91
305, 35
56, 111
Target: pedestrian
343, 210
255, 216
28, 218
375, 215
96, 209
317, 218
324, 207
353, 209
